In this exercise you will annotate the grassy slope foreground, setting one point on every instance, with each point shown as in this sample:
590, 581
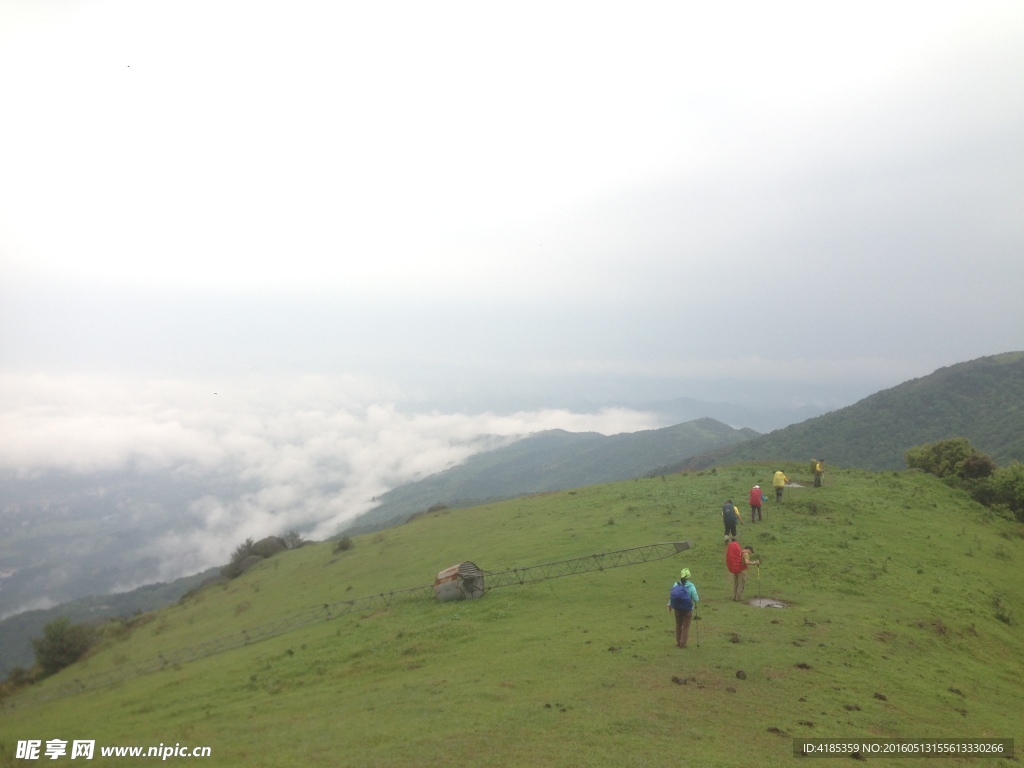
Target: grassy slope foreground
904, 621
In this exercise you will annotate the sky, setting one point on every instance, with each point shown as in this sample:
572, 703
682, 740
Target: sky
430, 222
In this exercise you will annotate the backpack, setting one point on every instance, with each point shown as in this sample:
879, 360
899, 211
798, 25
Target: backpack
679, 598
734, 558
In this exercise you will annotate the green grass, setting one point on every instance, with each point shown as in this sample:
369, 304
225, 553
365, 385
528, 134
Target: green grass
905, 620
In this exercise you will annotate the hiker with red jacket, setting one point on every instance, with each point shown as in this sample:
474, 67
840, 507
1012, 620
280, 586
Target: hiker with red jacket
756, 500
737, 560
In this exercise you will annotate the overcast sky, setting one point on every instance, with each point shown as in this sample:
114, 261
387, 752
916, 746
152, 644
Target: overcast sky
493, 205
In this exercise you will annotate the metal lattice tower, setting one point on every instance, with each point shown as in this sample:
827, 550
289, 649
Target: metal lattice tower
327, 611
600, 562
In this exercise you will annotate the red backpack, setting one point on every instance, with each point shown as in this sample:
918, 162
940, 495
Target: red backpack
734, 557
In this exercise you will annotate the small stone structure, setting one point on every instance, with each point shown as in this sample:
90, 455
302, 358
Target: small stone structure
460, 582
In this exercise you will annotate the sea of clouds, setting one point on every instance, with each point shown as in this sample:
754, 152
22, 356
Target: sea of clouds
299, 453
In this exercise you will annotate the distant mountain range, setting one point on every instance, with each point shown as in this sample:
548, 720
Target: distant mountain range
548, 461
760, 419
982, 400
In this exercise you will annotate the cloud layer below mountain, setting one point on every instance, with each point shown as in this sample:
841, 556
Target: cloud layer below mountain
307, 454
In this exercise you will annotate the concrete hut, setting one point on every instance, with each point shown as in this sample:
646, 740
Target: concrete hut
460, 582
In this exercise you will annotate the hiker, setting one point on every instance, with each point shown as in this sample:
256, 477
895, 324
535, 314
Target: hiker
819, 472
682, 600
779, 482
747, 562
731, 517
737, 560
756, 500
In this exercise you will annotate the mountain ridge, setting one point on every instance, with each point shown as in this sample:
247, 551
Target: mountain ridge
548, 461
981, 399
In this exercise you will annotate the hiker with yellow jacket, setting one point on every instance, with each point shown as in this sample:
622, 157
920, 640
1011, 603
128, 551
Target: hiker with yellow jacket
779, 482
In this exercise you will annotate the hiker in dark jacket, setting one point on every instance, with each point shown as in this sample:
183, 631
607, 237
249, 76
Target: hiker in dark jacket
683, 599
731, 518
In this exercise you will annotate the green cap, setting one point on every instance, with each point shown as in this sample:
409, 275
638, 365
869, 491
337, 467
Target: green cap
684, 574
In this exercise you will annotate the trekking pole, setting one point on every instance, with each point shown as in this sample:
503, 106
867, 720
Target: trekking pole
696, 626
758, 581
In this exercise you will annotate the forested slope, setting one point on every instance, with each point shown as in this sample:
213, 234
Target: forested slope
982, 400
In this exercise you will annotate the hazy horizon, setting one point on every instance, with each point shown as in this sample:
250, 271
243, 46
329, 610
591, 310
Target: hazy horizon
320, 247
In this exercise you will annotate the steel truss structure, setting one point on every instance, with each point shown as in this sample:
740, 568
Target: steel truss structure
600, 562
328, 611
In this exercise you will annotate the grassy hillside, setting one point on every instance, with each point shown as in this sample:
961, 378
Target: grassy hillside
904, 621
982, 400
548, 461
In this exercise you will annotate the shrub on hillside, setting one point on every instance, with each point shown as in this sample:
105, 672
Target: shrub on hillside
19, 677
62, 644
977, 466
962, 465
234, 567
344, 544
950, 458
1005, 487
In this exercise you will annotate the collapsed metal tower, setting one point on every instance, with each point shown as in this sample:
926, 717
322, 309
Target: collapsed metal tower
600, 562
466, 582
459, 582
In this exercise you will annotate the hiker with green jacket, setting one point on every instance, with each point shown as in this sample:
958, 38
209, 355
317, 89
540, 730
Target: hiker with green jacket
683, 600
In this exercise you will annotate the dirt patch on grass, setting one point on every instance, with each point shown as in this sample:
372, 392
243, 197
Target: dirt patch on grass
767, 602
685, 680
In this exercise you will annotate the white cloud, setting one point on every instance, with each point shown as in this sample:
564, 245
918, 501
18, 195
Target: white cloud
388, 147
307, 453
325, 187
